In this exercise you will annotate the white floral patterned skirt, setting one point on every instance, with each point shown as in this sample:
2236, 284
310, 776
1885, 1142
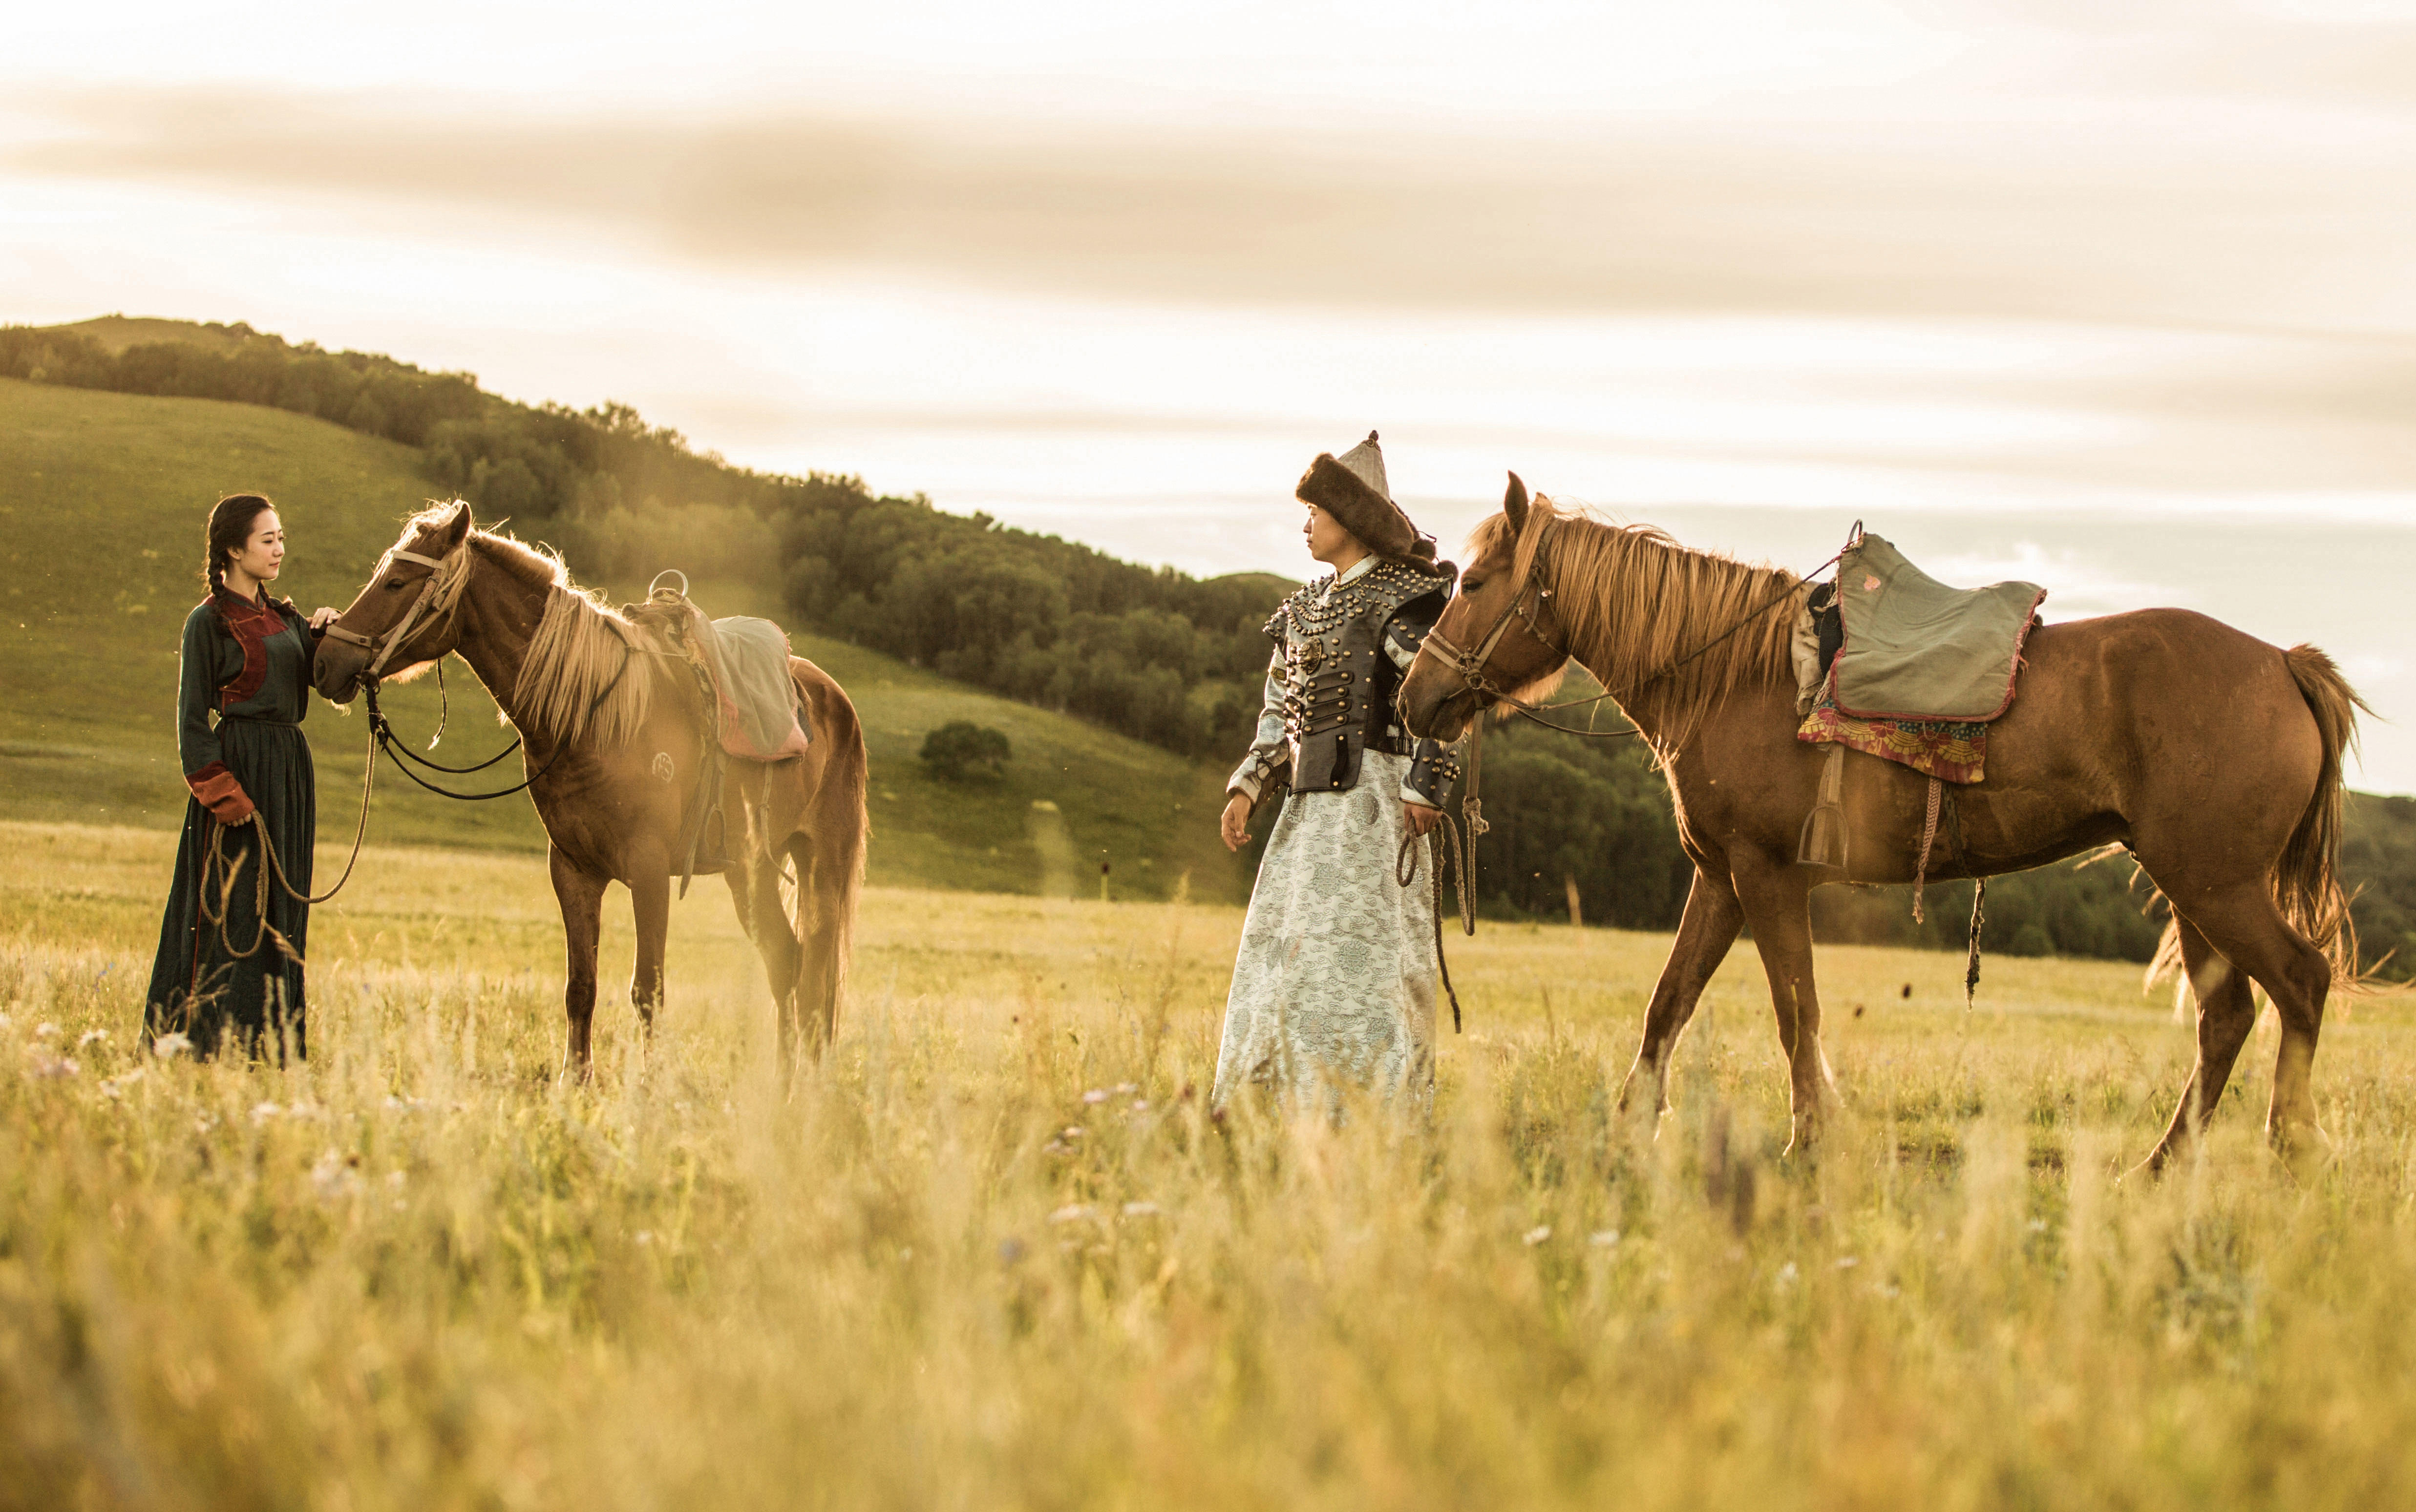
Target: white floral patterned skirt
1333, 988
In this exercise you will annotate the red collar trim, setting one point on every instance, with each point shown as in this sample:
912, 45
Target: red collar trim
251, 624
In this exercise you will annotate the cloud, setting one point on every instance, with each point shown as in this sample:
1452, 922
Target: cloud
2027, 218
2081, 581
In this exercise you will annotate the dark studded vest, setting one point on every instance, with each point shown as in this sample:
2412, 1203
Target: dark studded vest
1339, 684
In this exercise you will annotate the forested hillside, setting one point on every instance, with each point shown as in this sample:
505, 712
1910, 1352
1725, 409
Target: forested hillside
1168, 658
1147, 652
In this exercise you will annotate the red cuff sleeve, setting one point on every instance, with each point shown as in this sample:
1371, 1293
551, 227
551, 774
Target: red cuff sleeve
220, 793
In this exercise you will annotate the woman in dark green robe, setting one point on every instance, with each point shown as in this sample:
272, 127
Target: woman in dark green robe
243, 687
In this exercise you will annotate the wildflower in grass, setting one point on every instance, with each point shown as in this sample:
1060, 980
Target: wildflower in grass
1073, 1212
1603, 1238
168, 1047
1535, 1235
334, 1175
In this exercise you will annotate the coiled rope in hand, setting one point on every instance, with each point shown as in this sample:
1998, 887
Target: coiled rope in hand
227, 869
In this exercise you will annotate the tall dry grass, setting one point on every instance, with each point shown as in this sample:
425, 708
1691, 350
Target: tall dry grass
994, 1252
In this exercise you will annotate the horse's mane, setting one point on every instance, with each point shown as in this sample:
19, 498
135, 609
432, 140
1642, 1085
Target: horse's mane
1633, 602
579, 647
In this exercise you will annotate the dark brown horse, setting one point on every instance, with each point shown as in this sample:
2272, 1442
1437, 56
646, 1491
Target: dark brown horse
613, 729
2213, 757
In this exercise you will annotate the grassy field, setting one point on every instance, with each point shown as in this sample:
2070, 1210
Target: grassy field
116, 486
991, 1252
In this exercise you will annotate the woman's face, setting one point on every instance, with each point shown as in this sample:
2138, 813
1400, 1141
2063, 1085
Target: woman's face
1327, 539
263, 552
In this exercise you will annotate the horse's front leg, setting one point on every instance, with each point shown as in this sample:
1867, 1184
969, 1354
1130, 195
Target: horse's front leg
1776, 897
650, 904
1705, 932
581, 900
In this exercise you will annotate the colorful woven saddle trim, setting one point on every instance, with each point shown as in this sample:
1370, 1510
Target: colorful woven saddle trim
1948, 750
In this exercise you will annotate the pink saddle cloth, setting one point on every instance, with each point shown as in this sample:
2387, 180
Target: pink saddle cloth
761, 719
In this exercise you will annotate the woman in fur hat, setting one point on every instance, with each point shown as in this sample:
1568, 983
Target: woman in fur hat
1335, 985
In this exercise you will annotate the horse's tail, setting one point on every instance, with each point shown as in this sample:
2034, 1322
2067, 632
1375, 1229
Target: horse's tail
2306, 884
845, 804
2306, 880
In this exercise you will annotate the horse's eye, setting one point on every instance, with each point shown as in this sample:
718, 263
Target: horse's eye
393, 583
1471, 584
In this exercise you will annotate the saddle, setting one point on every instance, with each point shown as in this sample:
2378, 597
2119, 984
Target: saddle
1908, 646
741, 665
1891, 663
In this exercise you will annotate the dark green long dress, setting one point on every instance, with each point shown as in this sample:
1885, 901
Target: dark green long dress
243, 688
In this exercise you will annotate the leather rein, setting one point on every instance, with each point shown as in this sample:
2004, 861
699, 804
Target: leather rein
1470, 665
1459, 842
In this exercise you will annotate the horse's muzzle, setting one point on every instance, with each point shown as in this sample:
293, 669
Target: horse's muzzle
336, 671
1434, 709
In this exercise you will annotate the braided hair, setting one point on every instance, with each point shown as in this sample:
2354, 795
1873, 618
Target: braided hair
230, 526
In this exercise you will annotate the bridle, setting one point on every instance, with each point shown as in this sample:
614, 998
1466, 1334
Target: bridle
1470, 664
1525, 607
383, 645
381, 648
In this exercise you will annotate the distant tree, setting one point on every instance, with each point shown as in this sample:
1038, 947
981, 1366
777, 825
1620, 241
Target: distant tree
960, 748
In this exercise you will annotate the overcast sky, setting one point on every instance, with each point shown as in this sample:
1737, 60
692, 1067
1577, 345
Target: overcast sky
2118, 298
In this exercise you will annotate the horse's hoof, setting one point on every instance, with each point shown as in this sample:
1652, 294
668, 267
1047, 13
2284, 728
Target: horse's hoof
2303, 1149
2146, 1173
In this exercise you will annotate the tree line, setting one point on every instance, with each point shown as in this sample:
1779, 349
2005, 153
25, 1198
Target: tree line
1155, 653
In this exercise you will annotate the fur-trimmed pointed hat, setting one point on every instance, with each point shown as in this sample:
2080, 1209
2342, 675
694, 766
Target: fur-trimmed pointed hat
1352, 490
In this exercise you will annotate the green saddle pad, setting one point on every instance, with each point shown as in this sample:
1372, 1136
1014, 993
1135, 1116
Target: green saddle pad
1917, 649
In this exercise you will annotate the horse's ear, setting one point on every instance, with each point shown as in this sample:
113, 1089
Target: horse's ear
457, 529
1514, 504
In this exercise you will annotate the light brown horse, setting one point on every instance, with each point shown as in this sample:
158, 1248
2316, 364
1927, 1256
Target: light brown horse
2213, 757
613, 733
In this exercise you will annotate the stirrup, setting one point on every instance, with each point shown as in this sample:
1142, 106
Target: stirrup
1823, 840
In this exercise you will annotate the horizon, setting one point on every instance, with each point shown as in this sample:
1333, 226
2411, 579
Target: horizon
2110, 303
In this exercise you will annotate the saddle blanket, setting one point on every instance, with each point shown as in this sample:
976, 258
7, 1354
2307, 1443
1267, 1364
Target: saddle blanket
1948, 750
749, 661
1923, 668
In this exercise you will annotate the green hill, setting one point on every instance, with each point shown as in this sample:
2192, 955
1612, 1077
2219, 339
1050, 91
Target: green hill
116, 333
107, 494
